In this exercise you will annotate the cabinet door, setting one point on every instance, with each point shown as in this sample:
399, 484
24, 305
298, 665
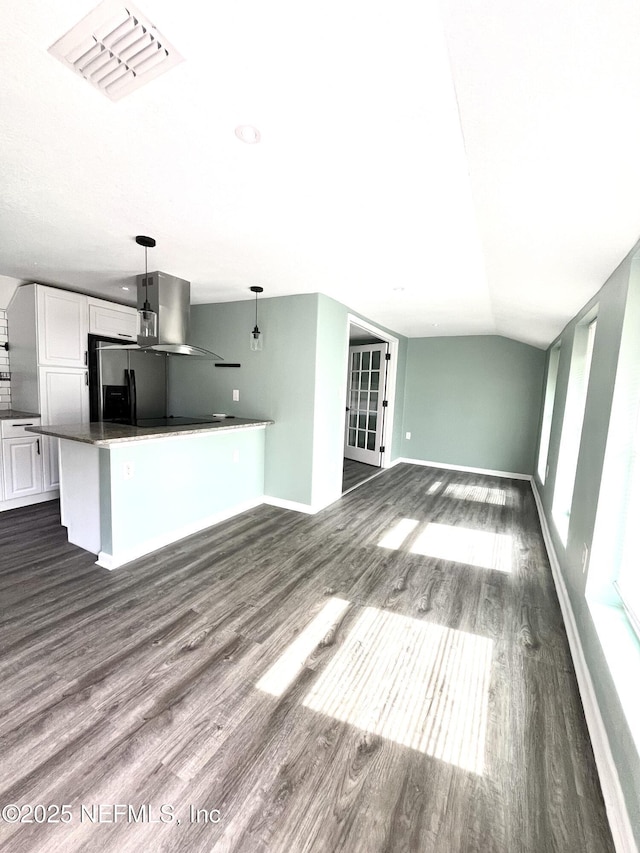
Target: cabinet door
64, 399
62, 327
111, 320
22, 464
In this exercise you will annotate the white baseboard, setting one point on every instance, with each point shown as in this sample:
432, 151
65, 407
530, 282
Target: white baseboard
619, 822
294, 505
114, 561
507, 474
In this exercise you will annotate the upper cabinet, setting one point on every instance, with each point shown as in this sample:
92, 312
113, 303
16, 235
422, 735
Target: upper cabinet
112, 320
61, 327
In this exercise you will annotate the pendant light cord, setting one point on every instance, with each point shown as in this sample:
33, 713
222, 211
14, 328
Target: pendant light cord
147, 307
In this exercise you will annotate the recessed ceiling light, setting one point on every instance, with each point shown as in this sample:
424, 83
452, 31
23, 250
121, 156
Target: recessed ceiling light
124, 287
398, 289
248, 133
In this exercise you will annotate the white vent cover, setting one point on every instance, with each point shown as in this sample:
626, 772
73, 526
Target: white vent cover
116, 49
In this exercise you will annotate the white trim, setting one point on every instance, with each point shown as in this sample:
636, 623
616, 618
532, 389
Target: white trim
293, 505
508, 474
111, 561
619, 822
392, 372
15, 503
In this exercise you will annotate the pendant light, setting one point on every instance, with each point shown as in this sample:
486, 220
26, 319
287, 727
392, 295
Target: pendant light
255, 339
147, 317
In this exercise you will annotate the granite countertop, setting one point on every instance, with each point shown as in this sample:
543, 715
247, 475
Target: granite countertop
14, 414
104, 434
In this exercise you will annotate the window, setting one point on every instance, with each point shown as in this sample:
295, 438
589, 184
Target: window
613, 581
627, 583
572, 425
547, 412
614, 571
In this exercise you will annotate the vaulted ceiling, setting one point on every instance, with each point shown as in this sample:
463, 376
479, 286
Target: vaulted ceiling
462, 168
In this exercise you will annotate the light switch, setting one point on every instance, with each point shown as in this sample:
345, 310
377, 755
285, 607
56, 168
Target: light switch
236, 395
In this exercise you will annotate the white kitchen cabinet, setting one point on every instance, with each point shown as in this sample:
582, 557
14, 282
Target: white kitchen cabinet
22, 463
64, 399
61, 327
22, 467
112, 320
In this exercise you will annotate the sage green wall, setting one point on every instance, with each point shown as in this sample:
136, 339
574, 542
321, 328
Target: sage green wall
276, 383
473, 401
610, 302
298, 380
200, 477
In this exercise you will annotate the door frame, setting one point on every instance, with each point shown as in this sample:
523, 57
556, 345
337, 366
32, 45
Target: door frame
392, 372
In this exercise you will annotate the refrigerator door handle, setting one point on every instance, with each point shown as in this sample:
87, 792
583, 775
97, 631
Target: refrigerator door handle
133, 403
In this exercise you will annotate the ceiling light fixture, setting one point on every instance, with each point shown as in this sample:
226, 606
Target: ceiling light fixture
247, 133
255, 339
147, 318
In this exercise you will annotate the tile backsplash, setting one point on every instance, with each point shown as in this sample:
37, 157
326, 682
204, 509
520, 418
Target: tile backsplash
5, 385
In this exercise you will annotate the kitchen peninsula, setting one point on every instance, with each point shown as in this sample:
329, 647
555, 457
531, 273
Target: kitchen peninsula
126, 491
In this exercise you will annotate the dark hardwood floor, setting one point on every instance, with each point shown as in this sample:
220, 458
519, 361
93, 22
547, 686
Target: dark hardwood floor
354, 473
389, 675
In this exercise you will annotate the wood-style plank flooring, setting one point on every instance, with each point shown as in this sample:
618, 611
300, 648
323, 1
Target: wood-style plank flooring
354, 473
389, 675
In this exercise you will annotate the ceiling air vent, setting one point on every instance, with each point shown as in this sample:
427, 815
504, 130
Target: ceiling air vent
116, 49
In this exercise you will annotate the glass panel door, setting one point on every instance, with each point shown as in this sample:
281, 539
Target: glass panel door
363, 436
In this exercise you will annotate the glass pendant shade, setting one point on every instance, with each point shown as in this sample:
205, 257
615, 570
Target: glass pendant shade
147, 322
255, 340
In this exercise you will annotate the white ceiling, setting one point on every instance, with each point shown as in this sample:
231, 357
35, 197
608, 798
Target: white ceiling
484, 156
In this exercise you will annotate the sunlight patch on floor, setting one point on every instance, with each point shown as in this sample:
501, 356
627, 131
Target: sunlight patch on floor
419, 684
482, 494
290, 664
395, 537
481, 548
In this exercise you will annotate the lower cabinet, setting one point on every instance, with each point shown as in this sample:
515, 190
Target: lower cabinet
64, 399
21, 464
22, 467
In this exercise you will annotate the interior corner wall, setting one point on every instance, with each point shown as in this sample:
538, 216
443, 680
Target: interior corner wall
473, 401
277, 383
8, 287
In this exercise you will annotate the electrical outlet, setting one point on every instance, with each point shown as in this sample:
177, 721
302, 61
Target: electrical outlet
585, 558
236, 395
127, 470
407, 435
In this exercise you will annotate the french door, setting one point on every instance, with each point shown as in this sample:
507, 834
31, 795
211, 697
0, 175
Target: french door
365, 396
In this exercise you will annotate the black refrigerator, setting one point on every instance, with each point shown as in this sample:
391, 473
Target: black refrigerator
126, 386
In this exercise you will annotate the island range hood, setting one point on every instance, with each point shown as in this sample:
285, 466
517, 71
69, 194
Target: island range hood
170, 298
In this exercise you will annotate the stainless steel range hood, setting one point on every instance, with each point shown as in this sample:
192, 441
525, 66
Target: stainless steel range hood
170, 298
